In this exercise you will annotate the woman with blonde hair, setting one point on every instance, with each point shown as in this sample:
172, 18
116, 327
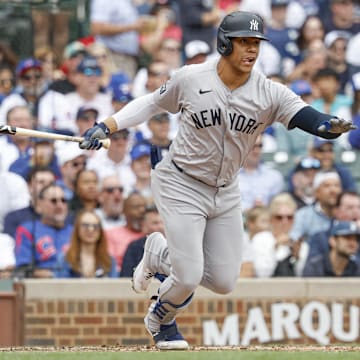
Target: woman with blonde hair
87, 256
274, 245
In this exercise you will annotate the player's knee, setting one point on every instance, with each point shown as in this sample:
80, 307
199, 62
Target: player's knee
224, 288
224, 285
189, 281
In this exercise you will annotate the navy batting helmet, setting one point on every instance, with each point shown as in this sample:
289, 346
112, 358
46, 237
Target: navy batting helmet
238, 24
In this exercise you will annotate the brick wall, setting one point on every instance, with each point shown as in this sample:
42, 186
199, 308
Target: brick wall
107, 312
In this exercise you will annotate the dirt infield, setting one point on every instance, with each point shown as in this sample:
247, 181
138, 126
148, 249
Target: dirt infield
284, 348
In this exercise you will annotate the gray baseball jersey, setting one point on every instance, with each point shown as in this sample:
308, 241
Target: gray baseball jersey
218, 127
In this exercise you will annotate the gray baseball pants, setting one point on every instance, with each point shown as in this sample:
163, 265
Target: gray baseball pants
204, 231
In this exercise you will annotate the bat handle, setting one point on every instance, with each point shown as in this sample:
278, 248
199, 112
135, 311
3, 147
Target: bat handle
105, 143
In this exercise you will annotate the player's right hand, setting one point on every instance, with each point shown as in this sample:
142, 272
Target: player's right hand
93, 135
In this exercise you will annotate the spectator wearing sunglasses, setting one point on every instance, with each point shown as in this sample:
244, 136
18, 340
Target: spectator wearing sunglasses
30, 86
88, 91
59, 112
87, 256
40, 242
274, 245
111, 199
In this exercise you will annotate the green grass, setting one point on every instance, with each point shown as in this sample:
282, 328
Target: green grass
197, 355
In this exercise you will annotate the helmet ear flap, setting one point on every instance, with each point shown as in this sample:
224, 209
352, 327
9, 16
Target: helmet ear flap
224, 45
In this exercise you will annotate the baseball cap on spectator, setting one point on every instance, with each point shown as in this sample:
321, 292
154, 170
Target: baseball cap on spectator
122, 94
355, 81
344, 228
74, 49
196, 47
280, 2
120, 88
334, 35
322, 176
319, 142
84, 109
27, 64
139, 150
69, 152
308, 163
301, 87
160, 117
89, 66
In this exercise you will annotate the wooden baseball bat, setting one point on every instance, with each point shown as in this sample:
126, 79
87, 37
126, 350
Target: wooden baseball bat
18, 131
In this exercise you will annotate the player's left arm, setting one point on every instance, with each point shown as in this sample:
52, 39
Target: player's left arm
320, 124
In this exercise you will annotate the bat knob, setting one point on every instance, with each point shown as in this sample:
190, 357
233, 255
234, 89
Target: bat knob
105, 143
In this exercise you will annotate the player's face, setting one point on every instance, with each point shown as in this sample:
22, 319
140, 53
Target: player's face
244, 54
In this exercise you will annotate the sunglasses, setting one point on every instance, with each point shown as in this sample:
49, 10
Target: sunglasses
112, 189
89, 226
310, 163
55, 201
282, 217
28, 77
92, 72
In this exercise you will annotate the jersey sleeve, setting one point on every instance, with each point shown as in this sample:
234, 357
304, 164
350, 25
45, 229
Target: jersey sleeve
286, 103
169, 94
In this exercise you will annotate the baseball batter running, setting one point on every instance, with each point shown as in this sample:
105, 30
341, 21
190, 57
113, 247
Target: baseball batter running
224, 105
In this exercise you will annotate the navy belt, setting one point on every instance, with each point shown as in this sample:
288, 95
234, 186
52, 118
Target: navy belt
178, 167
182, 171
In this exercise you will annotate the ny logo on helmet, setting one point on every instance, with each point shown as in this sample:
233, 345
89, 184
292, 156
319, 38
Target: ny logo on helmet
254, 25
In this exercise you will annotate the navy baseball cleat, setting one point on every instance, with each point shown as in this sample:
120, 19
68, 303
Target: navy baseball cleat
167, 337
161, 325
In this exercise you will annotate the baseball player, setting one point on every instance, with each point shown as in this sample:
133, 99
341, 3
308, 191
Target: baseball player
224, 105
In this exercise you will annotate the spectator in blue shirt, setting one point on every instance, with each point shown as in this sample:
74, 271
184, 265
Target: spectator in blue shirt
39, 243
339, 260
38, 178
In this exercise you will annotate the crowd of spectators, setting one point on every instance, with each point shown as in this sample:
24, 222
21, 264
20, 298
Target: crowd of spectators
66, 212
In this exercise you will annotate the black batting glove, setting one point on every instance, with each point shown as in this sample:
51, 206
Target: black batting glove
93, 135
336, 126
